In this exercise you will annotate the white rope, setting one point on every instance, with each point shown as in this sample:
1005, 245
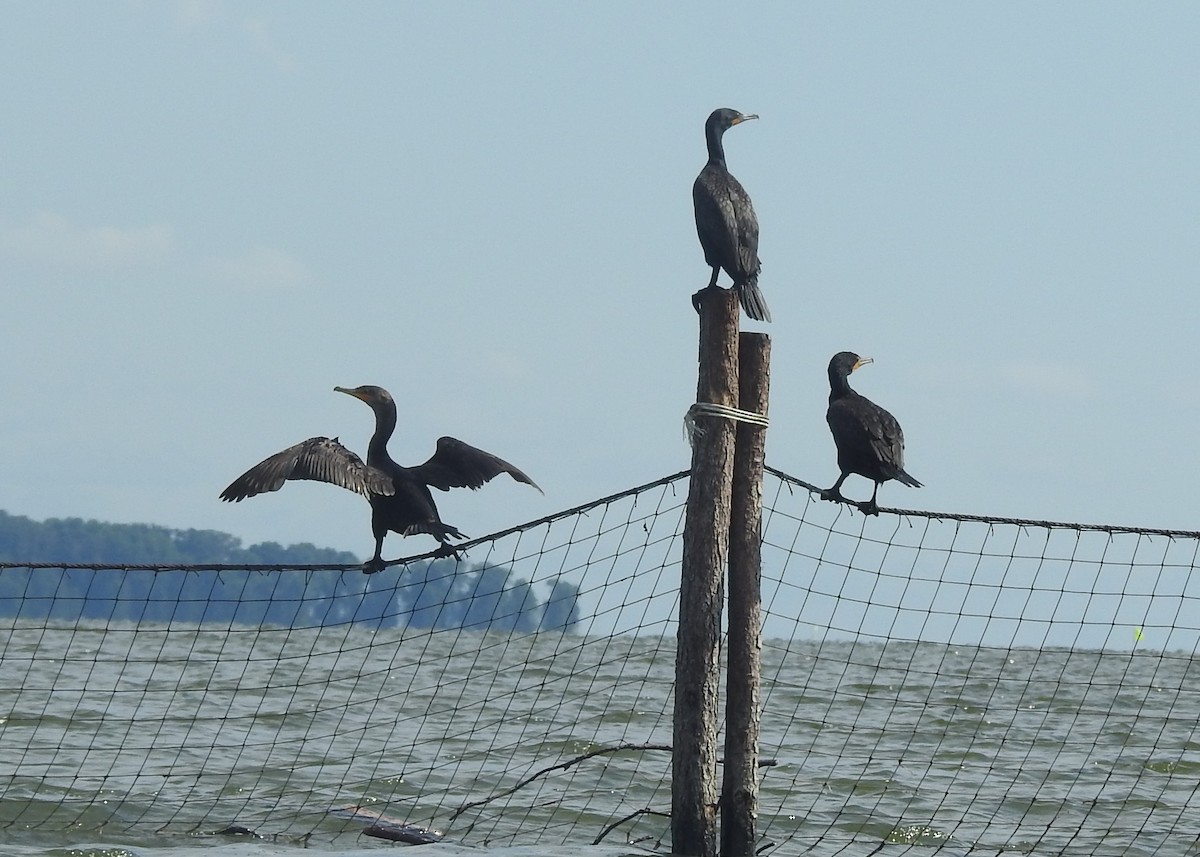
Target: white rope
708, 409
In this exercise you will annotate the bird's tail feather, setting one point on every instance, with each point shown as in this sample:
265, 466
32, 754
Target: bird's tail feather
441, 531
901, 476
752, 301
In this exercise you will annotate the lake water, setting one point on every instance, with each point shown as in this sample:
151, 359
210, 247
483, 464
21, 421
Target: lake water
137, 740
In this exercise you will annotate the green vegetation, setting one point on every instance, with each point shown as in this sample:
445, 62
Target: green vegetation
434, 594
74, 540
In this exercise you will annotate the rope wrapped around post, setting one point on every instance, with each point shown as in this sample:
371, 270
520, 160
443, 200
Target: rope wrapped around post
707, 409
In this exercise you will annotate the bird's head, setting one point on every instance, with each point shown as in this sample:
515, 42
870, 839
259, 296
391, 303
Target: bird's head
845, 362
368, 393
724, 118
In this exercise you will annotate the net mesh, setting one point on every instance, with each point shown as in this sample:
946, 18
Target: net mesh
928, 679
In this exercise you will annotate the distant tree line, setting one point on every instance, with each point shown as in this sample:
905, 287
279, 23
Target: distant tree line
74, 540
432, 594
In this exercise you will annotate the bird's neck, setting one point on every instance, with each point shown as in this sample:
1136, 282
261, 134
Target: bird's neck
385, 424
839, 386
716, 148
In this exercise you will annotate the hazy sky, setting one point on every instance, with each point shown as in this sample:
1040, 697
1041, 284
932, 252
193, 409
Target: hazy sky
212, 213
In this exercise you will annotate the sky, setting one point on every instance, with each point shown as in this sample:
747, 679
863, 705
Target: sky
214, 212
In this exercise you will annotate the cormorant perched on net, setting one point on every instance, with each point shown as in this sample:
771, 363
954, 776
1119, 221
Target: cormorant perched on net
869, 439
400, 498
725, 218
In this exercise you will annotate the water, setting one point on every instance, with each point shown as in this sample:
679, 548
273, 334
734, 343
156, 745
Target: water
118, 741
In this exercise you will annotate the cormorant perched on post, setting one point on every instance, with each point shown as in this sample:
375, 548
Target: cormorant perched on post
869, 439
400, 498
725, 218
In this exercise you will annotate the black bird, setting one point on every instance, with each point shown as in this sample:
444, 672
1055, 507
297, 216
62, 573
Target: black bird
869, 439
400, 498
725, 218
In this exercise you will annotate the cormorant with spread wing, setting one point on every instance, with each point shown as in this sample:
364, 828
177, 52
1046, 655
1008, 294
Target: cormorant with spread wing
401, 501
725, 219
869, 440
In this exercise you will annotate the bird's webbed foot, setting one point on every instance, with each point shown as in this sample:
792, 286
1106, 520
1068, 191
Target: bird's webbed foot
445, 549
833, 495
374, 565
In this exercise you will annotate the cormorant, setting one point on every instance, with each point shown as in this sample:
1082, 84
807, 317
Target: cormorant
869, 439
400, 498
725, 218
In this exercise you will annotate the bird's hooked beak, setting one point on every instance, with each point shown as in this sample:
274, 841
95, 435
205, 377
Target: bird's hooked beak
355, 392
862, 361
744, 117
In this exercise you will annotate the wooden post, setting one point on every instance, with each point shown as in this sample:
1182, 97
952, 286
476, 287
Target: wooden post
705, 550
739, 788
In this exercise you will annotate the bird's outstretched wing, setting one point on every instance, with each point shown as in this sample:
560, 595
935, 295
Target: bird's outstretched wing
459, 465
319, 458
